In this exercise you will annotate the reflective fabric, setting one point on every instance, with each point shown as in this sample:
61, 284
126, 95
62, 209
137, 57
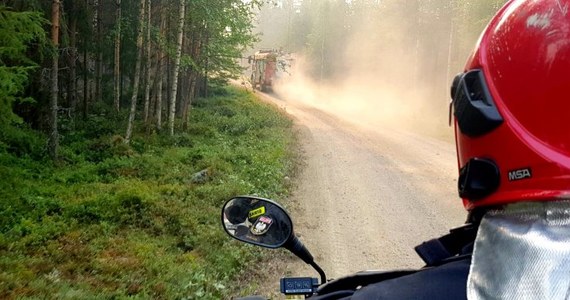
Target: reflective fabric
522, 252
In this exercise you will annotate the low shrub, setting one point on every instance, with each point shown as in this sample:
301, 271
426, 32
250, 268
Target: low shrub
112, 220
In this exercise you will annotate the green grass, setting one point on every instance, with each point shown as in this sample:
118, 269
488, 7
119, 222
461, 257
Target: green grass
116, 221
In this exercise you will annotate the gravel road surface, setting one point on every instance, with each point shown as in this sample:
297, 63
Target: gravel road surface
367, 194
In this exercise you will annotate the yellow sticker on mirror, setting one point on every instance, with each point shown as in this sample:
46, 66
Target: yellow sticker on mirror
257, 212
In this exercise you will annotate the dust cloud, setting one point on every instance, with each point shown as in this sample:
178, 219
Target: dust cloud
366, 98
391, 68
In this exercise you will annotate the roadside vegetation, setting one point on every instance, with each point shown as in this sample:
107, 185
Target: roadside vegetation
119, 142
111, 220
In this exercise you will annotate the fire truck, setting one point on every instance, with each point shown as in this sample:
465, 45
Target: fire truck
263, 69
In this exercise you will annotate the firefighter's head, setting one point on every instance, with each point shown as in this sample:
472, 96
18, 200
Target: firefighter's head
237, 211
511, 108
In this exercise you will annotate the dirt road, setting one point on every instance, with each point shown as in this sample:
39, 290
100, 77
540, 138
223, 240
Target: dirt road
366, 195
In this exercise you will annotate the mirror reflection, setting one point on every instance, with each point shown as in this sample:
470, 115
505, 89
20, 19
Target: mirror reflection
257, 221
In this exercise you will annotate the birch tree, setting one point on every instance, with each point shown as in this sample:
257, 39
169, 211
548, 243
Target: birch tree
172, 107
136, 80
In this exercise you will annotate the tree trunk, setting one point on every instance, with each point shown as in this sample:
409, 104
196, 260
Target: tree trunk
176, 67
204, 77
184, 86
206, 66
183, 79
98, 49
193, 78
132, 113
152, 104
148, 64
189, 99
160, 72
117, 71
159, 94
72, 65
85, 80
168, 62
53, 142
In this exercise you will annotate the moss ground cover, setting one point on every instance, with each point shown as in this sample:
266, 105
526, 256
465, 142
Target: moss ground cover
116, 221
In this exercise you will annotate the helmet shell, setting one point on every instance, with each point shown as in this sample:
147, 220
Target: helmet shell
524, 55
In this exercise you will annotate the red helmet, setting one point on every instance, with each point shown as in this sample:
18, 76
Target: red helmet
512, 107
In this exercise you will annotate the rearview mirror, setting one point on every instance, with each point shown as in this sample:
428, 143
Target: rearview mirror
257, 221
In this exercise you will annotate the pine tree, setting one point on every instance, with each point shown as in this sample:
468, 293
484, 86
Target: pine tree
53, 141
17, 31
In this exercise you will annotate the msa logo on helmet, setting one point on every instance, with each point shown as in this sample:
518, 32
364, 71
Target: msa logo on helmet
520, 174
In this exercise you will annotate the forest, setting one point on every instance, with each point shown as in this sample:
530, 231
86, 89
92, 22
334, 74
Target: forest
119, 143
113, 53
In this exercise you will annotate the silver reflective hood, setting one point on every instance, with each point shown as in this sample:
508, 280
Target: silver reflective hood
522, 252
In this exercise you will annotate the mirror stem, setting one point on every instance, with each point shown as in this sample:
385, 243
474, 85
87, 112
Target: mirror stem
321, 272
296, 246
